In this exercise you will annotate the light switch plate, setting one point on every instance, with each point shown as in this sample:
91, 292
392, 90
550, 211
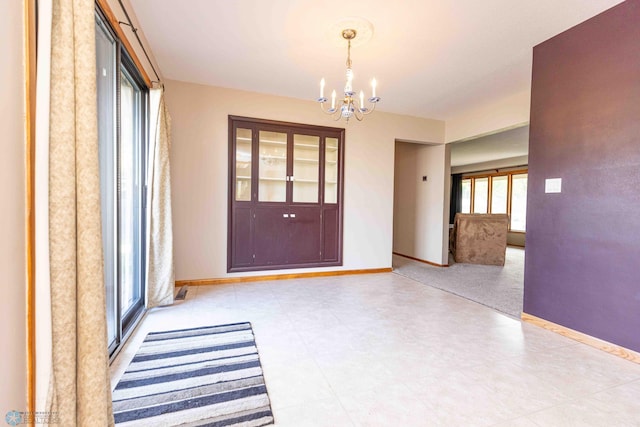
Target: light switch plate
553, 185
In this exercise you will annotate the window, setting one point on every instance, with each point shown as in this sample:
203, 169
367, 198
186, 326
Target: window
466, 196
498, 193
480, 195
519, 202
122, 112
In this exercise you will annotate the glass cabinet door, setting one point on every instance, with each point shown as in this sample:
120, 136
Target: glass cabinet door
331, 170
272, 185
306, 168
243, 164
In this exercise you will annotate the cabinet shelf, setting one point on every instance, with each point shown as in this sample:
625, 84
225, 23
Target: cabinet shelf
304, 181
306, 160
272, 142
243, 177
266, 178
302, 144
272, 157
331, 162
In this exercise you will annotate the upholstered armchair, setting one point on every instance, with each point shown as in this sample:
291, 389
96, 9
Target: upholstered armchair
479, 238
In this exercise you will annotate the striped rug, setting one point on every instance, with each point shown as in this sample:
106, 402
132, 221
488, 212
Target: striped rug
208, 376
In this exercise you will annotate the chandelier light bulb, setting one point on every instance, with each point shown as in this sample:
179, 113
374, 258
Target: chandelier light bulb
322, 88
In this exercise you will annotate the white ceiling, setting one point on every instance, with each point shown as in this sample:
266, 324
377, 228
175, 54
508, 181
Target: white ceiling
431, 58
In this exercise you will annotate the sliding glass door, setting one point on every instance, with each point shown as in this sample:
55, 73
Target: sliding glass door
130, 209
106, 49
122, 101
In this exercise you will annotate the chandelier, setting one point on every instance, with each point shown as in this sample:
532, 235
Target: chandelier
349, 106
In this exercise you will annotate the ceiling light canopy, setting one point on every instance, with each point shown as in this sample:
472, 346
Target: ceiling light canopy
350, 105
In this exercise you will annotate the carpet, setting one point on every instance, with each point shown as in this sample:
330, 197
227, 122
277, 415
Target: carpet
208, 376
501, 288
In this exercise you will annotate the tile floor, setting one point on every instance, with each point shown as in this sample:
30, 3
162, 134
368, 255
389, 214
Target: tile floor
383, 350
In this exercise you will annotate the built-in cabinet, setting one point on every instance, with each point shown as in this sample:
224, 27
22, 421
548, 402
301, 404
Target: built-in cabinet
285, 195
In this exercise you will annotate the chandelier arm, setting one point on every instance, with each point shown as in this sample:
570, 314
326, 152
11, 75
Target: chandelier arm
327, 111
370, 110
358, 114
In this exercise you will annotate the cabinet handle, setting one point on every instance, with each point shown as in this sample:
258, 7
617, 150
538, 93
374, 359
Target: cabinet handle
285, 215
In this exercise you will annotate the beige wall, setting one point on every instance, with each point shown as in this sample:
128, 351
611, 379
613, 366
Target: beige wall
406, 183
421, 208
504, 114
12, 214
516, 239
199, 172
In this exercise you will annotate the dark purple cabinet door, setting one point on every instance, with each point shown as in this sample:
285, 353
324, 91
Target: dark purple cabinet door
242, 237
330, 238
271, 235
304, 235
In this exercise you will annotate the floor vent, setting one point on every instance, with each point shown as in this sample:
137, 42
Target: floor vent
182, 293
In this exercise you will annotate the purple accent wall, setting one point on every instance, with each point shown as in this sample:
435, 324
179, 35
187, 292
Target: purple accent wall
582, 265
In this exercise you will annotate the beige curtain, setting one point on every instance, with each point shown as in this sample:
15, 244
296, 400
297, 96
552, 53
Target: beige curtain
160, 269
80, 392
